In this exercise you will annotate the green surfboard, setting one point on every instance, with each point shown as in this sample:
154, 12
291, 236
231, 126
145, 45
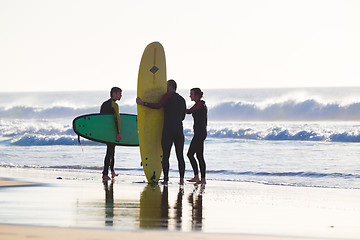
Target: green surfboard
101, 128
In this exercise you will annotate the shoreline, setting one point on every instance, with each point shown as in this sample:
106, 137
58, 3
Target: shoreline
22, 232
5, 182
76, 205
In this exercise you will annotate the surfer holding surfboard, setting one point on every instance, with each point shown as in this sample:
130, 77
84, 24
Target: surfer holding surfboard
111, 107
174, 113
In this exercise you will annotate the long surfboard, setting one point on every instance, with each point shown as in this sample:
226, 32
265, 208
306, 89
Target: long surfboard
151, 87
101, 128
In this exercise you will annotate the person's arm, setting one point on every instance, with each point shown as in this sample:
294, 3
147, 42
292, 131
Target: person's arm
196, 106
117, 121
184, 113
157, 105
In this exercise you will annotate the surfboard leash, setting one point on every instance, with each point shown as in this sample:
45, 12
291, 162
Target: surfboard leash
80, 143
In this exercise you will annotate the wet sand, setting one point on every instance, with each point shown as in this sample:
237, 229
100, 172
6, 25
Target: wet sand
12, 183
50, 204
14, 232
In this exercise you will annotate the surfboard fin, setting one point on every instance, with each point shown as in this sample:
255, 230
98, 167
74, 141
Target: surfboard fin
153, 178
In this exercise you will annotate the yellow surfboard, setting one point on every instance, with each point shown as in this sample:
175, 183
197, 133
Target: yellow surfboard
151, 87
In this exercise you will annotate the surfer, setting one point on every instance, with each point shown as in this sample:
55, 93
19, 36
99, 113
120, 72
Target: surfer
111, 107
199, 113
173, 132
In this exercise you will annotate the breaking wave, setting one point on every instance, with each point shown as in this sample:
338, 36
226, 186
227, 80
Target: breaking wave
285, 110
288, 110
281, 134
50, 133
261, 120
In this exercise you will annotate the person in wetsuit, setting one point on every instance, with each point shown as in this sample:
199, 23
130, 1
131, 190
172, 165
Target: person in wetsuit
174, 113
111, 107
199, 113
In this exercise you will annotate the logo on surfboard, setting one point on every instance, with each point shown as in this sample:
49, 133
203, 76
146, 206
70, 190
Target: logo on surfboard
154, 69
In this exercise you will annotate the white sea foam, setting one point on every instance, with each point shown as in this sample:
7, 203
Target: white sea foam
36, 132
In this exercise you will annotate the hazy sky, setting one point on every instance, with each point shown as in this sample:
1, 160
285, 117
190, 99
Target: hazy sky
94, 45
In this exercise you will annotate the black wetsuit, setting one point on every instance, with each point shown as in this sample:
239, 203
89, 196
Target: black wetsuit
110, 107
173, 132
199, 113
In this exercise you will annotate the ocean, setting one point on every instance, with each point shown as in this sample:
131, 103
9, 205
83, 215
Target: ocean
300, 137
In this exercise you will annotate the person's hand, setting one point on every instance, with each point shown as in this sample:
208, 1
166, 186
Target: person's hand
139, 101
118, 137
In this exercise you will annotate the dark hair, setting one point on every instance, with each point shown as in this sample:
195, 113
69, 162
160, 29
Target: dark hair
173, 84
197, 92
114, 90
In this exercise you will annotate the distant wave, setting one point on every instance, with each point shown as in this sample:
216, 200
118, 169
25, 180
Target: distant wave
289, 110
286, 110
25, 112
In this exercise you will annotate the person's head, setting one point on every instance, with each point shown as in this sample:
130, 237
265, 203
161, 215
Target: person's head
196, 94
116, 93
171, 85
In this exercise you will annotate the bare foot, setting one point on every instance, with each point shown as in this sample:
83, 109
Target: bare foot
195, 179
203, 181
113, 174
106, 178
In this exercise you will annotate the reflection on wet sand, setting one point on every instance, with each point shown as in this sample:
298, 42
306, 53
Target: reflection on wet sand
118, 212
179, 208
109, 203
150, 207
164, 207
154, 209
156, 212
195, 200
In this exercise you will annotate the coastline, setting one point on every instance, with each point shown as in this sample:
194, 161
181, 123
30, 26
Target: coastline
18, 232
79, 208
4, 182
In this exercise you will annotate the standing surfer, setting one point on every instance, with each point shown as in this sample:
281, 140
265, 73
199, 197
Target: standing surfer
199, 113
173, 132
111, 107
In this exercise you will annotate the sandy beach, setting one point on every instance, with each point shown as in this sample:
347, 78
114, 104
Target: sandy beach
43, 204
14, 232
12, 183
